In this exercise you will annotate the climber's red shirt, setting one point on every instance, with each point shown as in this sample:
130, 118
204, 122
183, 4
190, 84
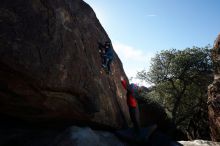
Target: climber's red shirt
130, 98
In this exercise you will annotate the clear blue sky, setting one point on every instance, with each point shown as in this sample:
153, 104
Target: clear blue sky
141, 28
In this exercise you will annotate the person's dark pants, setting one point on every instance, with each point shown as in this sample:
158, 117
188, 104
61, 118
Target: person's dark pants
109, 61
135, 118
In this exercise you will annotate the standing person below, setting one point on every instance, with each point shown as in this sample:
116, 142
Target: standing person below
133, 93
132, 90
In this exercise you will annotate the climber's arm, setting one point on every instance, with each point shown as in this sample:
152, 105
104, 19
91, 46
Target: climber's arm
123, 82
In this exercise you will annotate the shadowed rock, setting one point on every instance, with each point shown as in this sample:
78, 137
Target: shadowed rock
72, 136
199, 143
214, 94
50, 65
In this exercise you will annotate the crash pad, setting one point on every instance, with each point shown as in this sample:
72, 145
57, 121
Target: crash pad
132, 136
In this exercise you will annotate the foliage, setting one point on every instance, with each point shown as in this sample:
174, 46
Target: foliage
180, 79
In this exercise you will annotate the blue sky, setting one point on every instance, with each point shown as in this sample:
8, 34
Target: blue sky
140, 29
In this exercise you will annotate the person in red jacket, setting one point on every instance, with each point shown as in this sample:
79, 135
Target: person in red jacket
133, 92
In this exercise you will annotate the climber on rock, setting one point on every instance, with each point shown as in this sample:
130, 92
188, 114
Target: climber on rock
133, 94
107, 55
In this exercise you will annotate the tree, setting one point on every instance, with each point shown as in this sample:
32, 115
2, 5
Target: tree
180, 79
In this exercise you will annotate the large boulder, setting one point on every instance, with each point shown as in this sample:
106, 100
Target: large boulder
69, 136
73, 136
50, 65
199, 143
214, 94
152, 112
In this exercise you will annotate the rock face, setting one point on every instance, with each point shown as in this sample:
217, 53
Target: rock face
70, 136
214, 94
151, 113
78, 136
50, 65
73, 136
199, 143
